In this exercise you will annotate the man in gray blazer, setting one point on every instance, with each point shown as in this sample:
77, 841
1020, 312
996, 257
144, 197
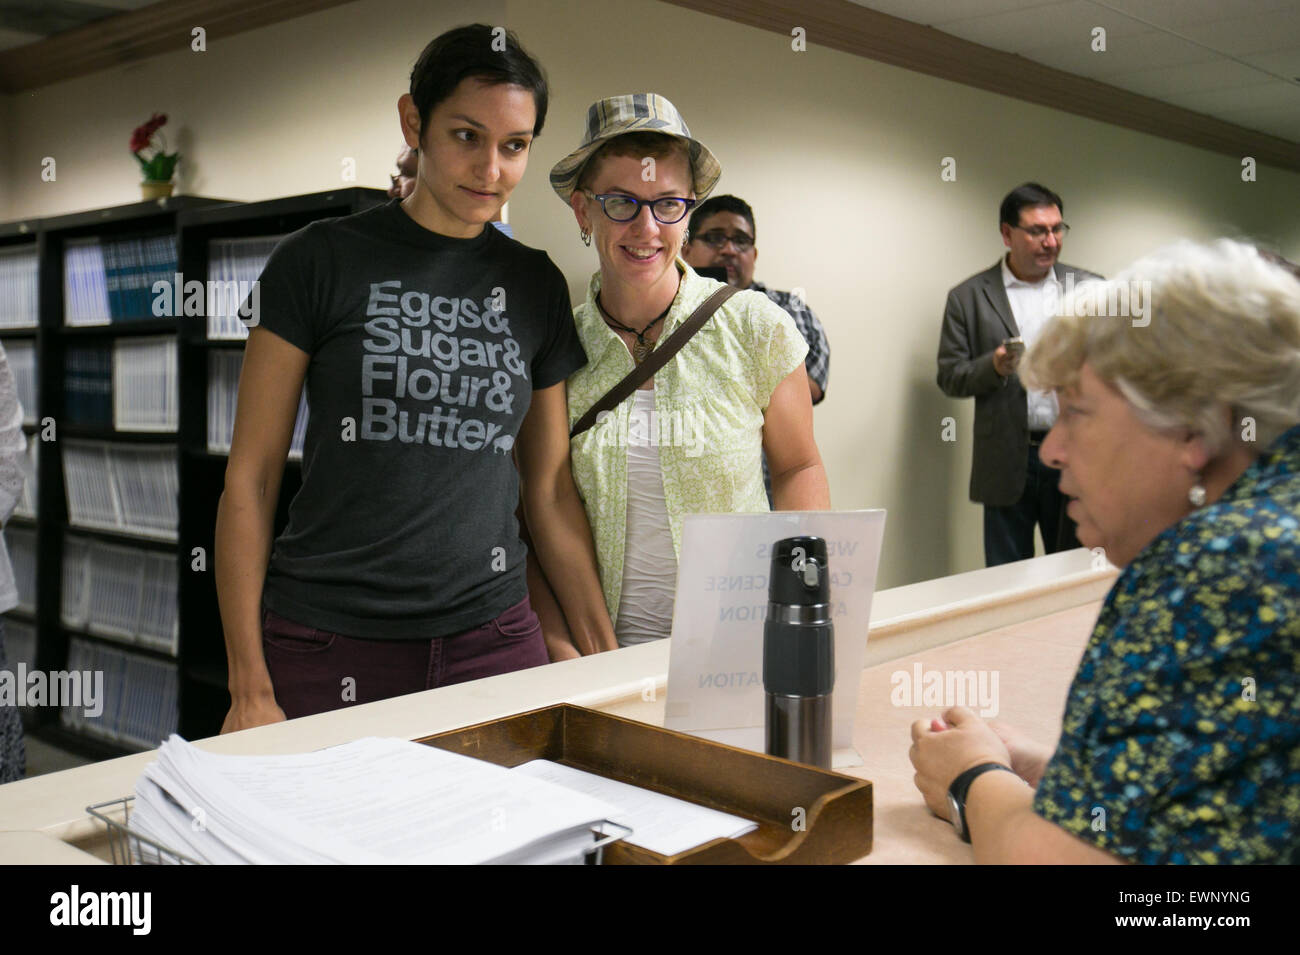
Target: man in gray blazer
989, 319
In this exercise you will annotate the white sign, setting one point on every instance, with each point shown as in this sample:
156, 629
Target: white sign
715, 671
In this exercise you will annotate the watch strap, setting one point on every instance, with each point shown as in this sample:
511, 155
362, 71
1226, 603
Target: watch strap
961, 786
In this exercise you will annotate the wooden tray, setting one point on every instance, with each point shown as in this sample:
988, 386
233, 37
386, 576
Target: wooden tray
836, 809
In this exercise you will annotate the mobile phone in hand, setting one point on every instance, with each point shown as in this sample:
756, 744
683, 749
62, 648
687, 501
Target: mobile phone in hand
1014, 346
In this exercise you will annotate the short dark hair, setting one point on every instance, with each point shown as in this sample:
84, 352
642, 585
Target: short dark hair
1028, 194
474, 51
715, 204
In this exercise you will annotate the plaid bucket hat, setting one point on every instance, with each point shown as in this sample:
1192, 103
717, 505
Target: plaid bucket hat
635, 112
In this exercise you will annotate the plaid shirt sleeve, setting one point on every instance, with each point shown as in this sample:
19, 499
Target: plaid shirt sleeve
818, 361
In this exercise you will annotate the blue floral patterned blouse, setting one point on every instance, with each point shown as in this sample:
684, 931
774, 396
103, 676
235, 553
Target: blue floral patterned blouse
1181, 736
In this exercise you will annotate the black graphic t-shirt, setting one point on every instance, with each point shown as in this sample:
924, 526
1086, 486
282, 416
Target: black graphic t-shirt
425, 351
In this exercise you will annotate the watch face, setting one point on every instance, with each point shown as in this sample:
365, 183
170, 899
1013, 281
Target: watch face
954, 813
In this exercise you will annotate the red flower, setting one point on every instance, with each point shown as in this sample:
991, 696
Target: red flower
144, 134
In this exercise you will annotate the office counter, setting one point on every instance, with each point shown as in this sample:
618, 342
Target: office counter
1024, 624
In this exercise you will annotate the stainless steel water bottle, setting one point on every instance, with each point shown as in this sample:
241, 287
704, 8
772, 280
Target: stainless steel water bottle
799, 652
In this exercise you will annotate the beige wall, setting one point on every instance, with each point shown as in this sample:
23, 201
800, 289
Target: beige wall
840, 157
273, 112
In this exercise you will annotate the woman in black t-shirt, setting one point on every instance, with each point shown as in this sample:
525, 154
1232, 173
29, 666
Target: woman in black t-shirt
312, 629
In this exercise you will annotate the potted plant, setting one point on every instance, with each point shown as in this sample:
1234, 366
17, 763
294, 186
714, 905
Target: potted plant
158, 168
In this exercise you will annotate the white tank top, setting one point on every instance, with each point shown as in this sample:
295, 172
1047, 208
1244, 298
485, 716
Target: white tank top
645, 608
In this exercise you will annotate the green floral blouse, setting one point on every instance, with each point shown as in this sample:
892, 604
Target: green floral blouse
1181, 736
709, 405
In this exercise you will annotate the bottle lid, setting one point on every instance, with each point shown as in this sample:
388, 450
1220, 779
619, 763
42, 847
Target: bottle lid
799, 575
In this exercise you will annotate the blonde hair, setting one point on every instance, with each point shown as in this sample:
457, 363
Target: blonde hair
1220, 331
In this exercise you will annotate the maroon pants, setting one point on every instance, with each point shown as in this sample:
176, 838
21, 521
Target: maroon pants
313, 670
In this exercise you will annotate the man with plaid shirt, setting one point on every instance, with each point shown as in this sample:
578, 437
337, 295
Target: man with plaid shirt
722, 235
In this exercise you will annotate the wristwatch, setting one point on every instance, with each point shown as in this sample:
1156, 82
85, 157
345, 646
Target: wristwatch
957, 796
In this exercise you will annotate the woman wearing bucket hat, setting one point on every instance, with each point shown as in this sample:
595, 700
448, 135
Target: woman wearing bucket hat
432, 347
688, 439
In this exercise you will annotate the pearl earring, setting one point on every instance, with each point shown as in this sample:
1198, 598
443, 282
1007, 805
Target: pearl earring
1196, 493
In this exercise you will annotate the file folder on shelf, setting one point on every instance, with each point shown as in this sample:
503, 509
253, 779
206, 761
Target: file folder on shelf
223, 391
233, 266
21, 544
18, 294
28, 500
85, 284
20, 644
22, 362
138, 707
146, 396
112, 280
20, 650
88, 385
121, 487
836, 809
120, 592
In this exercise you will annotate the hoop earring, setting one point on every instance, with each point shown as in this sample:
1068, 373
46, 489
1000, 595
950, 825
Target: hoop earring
586, 236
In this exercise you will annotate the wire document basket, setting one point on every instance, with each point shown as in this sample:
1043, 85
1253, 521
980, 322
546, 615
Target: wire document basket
595, 853
128, 847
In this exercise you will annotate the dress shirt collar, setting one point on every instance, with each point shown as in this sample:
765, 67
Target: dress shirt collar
1009, 279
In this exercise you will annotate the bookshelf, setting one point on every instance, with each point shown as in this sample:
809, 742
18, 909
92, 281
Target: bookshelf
21, 336
128, 474
106, 523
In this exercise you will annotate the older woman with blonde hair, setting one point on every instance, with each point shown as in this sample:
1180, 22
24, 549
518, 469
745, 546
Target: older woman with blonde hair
1179, 448
689, 437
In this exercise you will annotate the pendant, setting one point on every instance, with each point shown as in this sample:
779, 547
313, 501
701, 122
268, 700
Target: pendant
640, 350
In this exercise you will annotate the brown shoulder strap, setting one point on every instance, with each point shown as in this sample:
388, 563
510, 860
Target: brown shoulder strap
657, 359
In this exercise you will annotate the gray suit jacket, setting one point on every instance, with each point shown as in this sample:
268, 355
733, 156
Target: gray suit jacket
975, 321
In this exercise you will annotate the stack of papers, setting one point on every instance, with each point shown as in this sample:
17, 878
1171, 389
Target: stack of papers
393, 801
659, 823
372, 801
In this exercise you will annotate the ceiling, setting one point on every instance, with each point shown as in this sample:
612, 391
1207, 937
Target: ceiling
1235, 60
26, 21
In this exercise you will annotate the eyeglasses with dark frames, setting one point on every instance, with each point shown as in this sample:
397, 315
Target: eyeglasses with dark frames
1060, 230
624, 208
717, 240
